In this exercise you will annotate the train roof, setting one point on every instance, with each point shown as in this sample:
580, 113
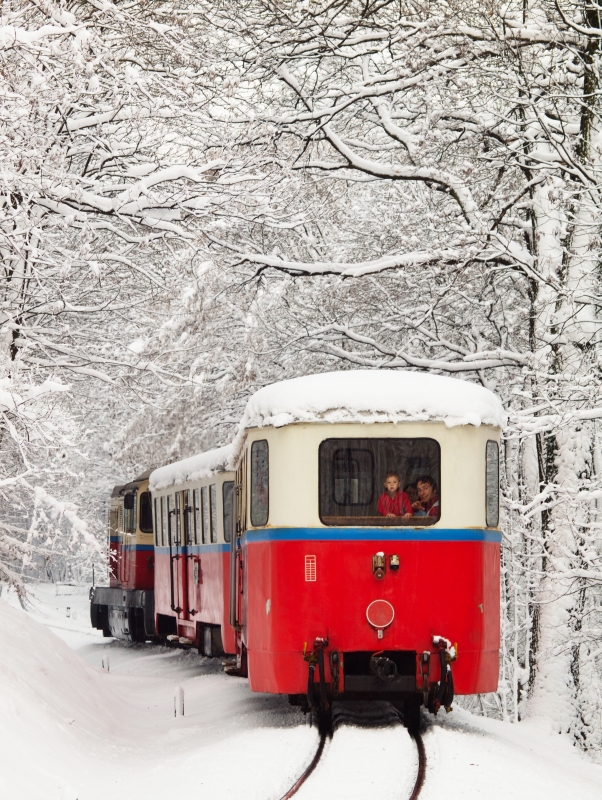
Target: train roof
373, 396
203, 465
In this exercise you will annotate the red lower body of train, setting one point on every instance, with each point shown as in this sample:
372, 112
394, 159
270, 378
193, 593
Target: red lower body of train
339, 612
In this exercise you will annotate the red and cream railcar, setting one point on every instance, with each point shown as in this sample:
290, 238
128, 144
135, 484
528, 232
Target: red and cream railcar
125, 608
192, 512
289, 562
331, 598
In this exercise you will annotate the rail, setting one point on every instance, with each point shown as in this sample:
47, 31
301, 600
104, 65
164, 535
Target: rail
349, 718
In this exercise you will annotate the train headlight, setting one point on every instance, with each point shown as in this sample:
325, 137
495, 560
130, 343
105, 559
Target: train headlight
378, 565
394, 562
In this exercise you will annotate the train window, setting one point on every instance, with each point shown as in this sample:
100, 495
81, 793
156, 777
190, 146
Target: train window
129, 513
157, 521
146, 513
178, 516
228, 518
171, 528
164, 540
213, 504
113, 522
492, 491
206, 517
259, 483
186, 520
196, 512
353, 471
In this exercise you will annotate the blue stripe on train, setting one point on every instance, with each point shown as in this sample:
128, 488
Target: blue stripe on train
373, 534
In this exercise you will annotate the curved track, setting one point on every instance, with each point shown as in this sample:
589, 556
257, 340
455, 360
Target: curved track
363, 720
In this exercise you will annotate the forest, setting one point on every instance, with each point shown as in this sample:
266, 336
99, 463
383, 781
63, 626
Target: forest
200, 198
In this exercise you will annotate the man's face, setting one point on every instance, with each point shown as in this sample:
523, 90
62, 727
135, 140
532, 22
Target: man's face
425, 492
392, 484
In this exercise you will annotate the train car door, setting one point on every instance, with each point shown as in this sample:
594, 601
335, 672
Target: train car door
173, 541
187, 557
236, 560
179, 557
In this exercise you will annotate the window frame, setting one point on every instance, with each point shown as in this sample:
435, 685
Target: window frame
415, 521
251, 485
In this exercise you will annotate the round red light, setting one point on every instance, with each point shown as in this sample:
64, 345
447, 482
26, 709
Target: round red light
380, 613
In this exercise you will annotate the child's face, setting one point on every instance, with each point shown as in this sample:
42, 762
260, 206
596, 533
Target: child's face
392, 483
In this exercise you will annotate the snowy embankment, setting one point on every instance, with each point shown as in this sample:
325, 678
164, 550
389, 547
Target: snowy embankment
71, 731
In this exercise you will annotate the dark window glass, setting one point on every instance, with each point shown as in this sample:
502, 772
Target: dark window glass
146, 513
352, 476
259, 483
227, 497
213, 504
492, 491
206, 517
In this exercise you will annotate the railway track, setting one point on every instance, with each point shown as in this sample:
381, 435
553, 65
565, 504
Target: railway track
364, 716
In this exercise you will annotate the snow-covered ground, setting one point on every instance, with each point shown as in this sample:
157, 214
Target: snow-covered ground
71, 730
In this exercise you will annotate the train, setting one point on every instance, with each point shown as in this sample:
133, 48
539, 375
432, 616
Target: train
345, 544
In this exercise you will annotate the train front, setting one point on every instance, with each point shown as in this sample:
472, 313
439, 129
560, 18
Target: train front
367, 553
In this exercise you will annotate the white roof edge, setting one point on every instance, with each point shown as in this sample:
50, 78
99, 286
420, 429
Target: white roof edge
195, 468
370, 396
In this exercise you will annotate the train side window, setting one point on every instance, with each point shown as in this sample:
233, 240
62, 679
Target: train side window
260, 493
146, 513
492, 491
178, 516
206, 517
352, 474
196, 512
164, 540
227, 497
186, 521
157, 521
213, 505
129, 513
171, 526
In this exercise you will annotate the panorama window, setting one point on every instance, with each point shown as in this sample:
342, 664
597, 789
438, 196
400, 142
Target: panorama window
227, 498
492, 491
259, 483
146, 513
380, 481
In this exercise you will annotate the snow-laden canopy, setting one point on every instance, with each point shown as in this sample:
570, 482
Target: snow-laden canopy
373, 396
202, 465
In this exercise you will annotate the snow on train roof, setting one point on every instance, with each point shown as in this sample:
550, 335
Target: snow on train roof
203, 465
373, 396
